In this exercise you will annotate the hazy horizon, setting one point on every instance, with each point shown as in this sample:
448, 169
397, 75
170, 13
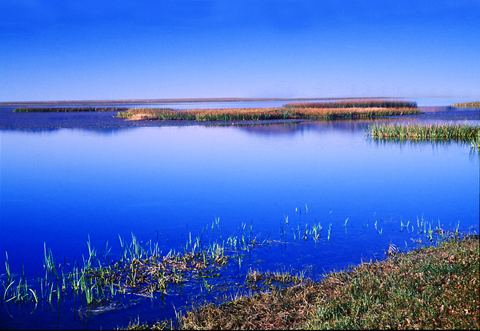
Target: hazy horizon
52, 50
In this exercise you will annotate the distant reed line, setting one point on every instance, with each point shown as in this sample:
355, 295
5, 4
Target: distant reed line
356, 104
444, 132
71, 109
474, 104
311, 110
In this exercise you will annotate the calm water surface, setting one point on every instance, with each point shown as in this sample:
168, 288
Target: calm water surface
61, 187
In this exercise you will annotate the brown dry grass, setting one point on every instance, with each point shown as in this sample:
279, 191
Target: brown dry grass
430, 288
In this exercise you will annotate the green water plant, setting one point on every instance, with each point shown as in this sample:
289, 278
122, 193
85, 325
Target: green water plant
443, 132
141, 269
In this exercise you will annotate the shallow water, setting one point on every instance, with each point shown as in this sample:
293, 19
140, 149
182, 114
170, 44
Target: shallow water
61, 187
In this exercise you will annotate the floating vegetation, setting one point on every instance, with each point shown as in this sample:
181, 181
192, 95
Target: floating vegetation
475, 104
307, 111
435, 287
443, 132
67, 109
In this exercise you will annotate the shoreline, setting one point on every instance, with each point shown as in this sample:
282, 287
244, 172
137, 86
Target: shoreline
406, 290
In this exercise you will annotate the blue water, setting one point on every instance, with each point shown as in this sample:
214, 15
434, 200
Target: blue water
61, 187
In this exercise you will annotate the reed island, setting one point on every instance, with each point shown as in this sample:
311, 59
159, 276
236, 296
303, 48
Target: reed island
296, 111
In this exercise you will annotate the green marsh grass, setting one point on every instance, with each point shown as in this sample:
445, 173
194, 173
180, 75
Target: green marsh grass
437, 132
72, 109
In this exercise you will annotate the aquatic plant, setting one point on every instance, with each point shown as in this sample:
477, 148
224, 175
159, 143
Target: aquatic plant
444, 132
475, 141
141, 269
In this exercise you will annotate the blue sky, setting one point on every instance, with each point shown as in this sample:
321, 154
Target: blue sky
100, 50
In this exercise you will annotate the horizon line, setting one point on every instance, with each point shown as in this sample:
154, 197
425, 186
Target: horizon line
179, 100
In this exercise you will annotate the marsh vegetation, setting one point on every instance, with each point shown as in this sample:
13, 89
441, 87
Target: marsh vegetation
429, 288
306, 110
278, 299
193, 278
441, 132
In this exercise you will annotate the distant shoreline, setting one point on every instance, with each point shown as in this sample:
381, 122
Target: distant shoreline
154, 101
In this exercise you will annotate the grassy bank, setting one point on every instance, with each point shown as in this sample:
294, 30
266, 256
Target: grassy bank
444, 132
71, 109
310, 111
475, 104
435, 287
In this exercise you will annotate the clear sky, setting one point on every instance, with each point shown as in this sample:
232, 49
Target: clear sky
100, 50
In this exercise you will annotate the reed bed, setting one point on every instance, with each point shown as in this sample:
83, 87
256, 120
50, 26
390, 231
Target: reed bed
444, 132
431, 288
256, 114
355, 104
475, 104
72, 109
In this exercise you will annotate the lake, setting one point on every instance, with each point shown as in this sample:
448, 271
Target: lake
166, 184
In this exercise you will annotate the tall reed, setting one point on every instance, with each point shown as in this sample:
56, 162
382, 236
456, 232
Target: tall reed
445, 132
